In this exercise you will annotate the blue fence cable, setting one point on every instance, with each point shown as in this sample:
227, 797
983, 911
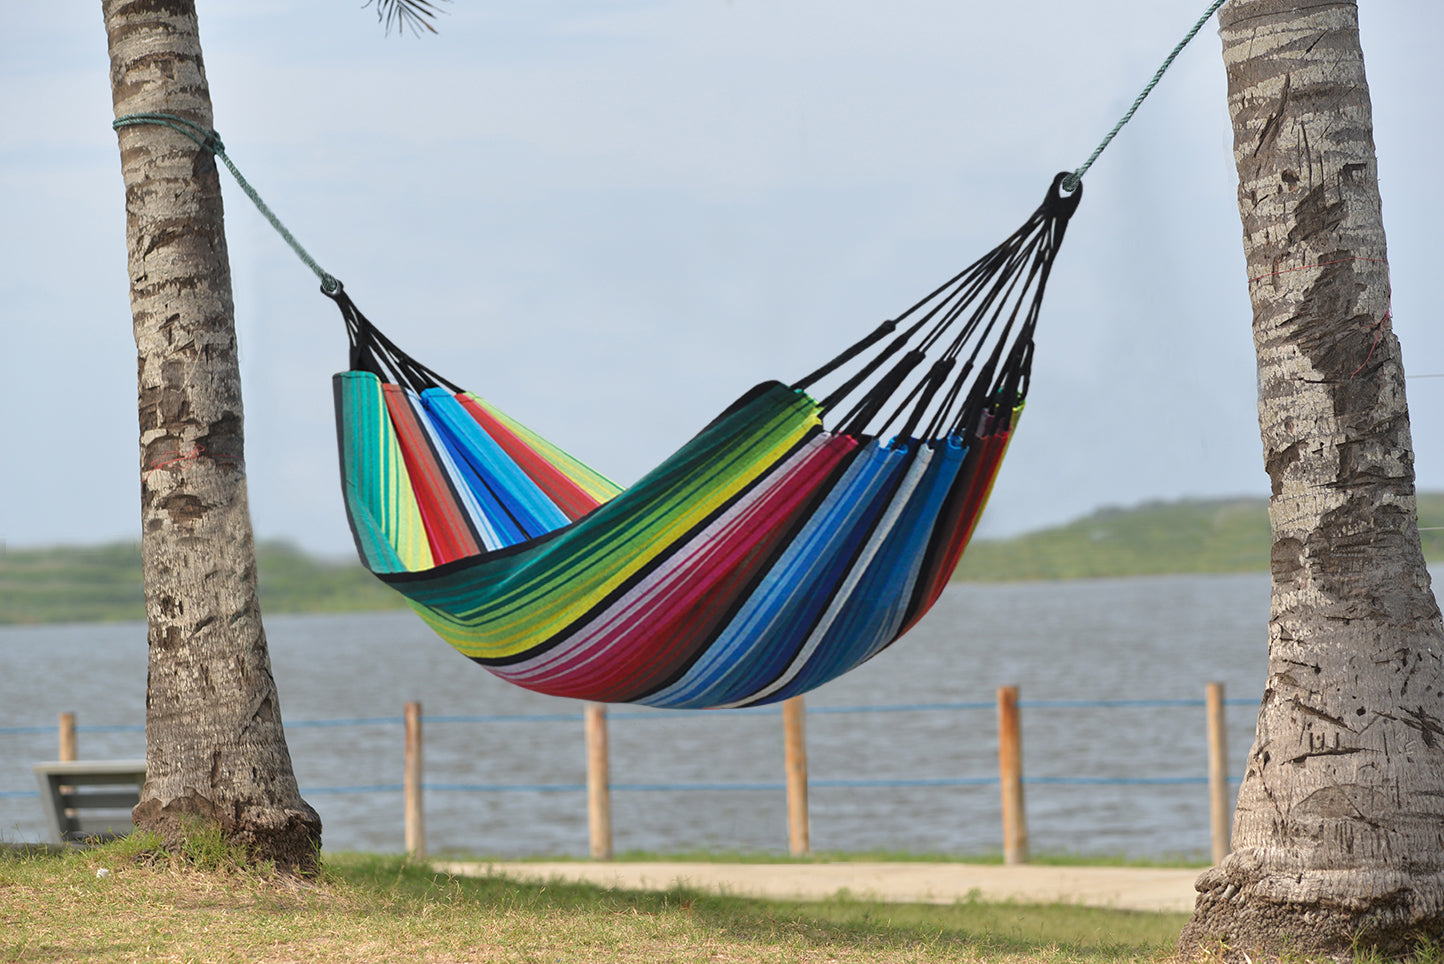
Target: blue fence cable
670, 714
766, 786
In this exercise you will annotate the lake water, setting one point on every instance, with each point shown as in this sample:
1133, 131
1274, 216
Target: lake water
1157, 638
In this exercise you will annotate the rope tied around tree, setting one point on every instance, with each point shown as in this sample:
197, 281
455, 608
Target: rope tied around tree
210, 141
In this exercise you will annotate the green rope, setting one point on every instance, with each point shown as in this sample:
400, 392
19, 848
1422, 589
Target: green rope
1071, 182
211, 141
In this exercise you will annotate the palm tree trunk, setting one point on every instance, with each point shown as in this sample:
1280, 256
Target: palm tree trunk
1339, 831
215, 750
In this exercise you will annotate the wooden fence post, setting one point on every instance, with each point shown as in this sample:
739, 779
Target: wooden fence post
1010, 776
411, 785
67, 748
1220, 812
794, 748
67, 737
599, 792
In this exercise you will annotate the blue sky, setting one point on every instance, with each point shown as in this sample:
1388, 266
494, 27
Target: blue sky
610, 218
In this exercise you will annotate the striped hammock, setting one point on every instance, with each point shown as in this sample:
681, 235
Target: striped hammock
789, 541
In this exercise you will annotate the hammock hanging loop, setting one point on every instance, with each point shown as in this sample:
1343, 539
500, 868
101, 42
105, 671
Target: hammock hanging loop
1063, 197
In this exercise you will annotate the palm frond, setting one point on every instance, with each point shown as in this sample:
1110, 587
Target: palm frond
404, 15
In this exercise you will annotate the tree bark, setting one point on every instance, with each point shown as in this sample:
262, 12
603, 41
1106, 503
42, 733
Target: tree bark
1339, 829
215, 749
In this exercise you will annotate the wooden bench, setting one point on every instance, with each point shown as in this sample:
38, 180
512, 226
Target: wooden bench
89, 799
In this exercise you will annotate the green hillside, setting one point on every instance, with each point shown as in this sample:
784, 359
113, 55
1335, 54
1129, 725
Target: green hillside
103, 583
1205, 535
96, 583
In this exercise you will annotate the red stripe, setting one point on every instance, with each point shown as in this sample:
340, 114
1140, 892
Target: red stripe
448, 528
702, 587
574, 501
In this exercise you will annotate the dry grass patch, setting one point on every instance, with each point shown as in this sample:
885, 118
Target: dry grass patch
152, 908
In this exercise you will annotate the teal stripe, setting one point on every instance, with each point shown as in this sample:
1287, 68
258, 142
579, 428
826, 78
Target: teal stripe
363, 469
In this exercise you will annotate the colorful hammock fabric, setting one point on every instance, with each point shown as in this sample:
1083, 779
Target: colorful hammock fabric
768, 555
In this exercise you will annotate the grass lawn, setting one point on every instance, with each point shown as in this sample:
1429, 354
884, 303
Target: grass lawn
370, 908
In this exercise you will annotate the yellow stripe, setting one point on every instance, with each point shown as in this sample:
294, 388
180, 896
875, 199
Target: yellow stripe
404, 525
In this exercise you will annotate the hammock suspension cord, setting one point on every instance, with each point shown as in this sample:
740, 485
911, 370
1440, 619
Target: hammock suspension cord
211, 141
787, 542
994, 302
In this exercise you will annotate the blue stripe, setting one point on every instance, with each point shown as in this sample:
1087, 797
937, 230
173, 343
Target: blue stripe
873, 611
761, 639
482, 489
469, 444
482, 525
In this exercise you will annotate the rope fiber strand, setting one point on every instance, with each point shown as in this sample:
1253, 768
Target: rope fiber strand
1071, 182
211, 141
